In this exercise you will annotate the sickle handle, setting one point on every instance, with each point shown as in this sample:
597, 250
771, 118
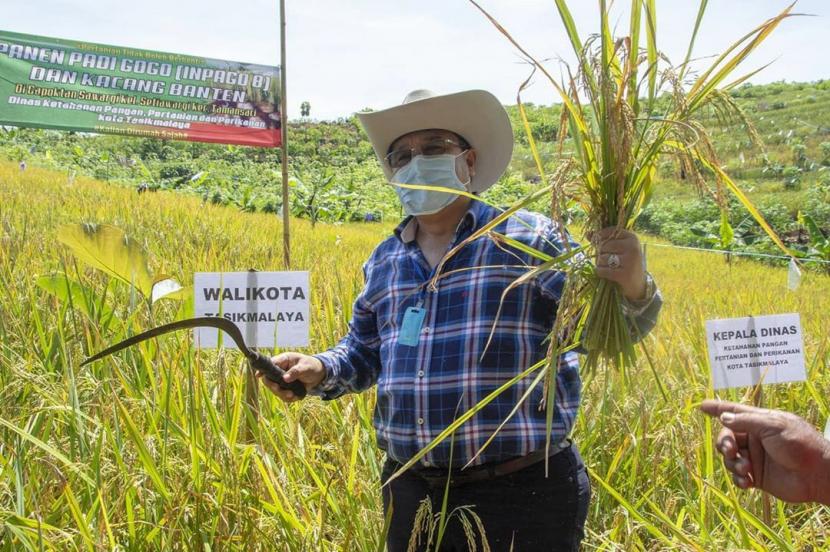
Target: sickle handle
275, 374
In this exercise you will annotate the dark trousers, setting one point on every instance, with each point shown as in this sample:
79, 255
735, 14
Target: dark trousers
522, 511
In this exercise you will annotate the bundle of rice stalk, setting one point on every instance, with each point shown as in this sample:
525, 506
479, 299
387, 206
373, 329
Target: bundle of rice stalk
620, 132
609, 112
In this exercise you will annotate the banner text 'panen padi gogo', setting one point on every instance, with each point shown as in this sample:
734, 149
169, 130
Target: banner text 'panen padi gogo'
67, 85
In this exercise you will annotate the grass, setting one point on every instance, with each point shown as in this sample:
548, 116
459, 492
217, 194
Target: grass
155, 448
151, 451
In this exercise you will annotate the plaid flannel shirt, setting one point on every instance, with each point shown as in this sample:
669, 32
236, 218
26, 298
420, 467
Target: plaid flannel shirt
421, 389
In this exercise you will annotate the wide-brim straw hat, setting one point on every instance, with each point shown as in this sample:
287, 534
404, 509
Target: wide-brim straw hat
475, 115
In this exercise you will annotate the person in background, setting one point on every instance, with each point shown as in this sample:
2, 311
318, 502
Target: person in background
775, 451
430, 351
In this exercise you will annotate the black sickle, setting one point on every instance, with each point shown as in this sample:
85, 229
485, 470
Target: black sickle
258, 362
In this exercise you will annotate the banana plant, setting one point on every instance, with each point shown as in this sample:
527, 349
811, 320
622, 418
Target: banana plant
109, 250
819, 246
728, 238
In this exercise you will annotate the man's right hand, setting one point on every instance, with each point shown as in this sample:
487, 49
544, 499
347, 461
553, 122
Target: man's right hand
298, 367
772, 450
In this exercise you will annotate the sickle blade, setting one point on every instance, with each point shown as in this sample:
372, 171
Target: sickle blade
205, 321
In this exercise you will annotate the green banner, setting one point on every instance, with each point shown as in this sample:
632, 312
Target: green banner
69, 85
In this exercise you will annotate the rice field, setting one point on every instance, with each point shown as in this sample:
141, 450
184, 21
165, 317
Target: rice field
160, 448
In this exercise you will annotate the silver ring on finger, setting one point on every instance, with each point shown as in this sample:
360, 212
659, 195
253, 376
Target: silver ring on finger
613, 261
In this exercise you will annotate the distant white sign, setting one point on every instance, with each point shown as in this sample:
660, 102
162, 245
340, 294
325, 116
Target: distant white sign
270, 308
745, 351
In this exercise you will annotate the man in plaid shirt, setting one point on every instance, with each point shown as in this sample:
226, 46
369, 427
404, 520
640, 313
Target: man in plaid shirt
435, 351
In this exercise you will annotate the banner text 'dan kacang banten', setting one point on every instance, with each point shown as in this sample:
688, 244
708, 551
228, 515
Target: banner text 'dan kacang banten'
69, 85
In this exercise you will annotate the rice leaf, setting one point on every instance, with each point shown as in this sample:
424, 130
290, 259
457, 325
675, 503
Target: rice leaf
701, 10
651, 42
108, 249
647, 525
450, 429
78, 516
48, 449
143, 453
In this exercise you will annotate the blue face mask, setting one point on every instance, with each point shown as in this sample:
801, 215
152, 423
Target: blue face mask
433, 170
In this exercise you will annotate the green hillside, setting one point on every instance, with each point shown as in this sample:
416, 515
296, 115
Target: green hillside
335, 177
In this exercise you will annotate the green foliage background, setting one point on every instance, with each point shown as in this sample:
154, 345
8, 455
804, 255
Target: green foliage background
335, 176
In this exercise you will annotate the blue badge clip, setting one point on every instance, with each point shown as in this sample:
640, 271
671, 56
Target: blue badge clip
410, 333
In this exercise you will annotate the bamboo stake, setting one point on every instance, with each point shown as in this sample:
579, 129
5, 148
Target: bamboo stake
286, 241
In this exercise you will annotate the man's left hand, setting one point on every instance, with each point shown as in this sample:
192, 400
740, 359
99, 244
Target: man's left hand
620, 260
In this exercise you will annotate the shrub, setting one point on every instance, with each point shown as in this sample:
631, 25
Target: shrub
800, 155
825, 153
792, 178
817, 201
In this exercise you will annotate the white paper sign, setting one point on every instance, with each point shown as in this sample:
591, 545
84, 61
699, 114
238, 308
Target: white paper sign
270, 308
745, 351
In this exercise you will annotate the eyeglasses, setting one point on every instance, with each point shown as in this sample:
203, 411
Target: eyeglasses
439, 146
